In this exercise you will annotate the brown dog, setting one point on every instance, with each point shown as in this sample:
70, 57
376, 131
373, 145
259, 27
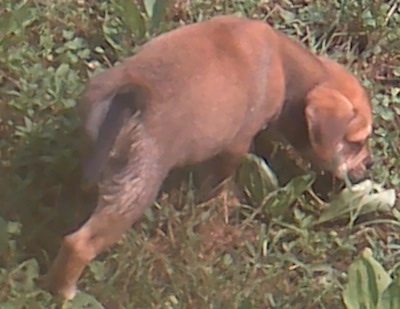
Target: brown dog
200, 94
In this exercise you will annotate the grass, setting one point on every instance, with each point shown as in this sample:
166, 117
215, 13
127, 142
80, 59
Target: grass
181, 255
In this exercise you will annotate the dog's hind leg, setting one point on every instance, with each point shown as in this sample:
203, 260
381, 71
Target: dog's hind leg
124, 194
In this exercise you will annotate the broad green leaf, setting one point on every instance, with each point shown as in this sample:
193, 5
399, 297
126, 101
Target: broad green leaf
97, 268
24, 275
83, 300
62, 70
109, 32
382, 279
75, 44
390, 298
298, 185
257, 179
16, 20
149, 7
287, 16
278, 201
159, 10
367, 281
366, 197
132, 17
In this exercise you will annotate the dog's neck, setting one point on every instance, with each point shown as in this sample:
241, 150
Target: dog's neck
301, 75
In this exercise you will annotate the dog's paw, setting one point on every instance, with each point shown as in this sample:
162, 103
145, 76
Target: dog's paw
65, 292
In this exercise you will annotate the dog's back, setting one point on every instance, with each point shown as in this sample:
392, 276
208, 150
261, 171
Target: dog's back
202, 96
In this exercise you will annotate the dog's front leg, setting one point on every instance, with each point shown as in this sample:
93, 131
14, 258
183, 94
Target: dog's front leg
214, 173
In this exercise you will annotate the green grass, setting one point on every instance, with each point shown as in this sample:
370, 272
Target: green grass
180, 255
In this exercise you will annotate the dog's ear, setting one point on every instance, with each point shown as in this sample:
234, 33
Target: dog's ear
359, 129
328, 114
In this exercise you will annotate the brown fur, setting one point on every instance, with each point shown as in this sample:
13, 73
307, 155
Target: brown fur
200, 94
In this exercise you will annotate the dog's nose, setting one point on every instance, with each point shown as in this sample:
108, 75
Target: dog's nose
357, 176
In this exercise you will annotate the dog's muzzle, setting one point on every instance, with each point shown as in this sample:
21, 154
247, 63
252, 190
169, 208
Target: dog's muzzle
361, 171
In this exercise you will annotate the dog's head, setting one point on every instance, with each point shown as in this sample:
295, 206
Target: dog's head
339, 126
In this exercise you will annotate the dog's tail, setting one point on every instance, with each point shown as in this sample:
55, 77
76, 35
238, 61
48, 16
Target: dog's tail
104, 123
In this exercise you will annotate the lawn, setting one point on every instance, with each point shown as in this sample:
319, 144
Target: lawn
291, 246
